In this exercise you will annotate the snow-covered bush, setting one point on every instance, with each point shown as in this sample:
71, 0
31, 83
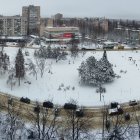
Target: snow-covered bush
48, 52
93, 72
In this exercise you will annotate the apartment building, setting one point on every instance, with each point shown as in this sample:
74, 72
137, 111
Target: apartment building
13, 25
32, 14
104, 24
58, 16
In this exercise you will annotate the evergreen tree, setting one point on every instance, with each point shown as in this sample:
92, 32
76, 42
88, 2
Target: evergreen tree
87, 71
48, 52
19, 65
93, 72
74, 46
106, 73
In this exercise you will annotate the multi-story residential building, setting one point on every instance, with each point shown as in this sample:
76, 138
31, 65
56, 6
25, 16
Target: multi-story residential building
13, 25
104, 25
32, 14
58, 16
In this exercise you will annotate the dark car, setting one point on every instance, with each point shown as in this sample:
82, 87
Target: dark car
79, 113
132, 103
25, 100
48, 104
70, 106
115, 109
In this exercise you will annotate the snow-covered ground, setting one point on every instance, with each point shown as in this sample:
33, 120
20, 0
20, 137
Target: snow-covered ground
64, 74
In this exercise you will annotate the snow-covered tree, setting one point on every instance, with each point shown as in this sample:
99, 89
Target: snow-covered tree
41, 53
41, 65
74, 47
12, 125
19, 65
4, 62
93, 72
11, 80
106, 73
48, 52
33, 68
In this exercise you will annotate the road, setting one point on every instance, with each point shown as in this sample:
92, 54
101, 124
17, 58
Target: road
95, 113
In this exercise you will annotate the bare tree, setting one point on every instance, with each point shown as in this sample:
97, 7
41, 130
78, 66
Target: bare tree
45, 124
120, 125
11, 80
41, 64
12, 126
77, 123
33, 68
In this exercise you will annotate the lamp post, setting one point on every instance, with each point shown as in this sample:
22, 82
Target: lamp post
28, 83
101, 90
103, 117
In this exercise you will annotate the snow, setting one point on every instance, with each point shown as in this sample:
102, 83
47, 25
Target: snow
12, 37
65, 76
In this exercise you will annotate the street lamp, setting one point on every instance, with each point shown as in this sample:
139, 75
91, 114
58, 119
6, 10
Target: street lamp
28, 83
103, 117
100, 90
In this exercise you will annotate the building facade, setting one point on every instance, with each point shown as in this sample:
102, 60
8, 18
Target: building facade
13, 26
32, 14
58, 34
58, 16
104, 25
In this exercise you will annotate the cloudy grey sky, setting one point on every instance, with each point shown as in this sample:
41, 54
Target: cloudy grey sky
77, 8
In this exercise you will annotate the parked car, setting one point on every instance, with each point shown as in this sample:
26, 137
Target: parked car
37, 109
48, 104
25, 100
70, 106
115, 109
120, 47
79, 113
132, 103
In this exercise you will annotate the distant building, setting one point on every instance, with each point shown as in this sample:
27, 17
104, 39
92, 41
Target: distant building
63, 34
50, 22
13, 25
101, 23
43, 24
104, 25
32, 14
58, 16
96, 23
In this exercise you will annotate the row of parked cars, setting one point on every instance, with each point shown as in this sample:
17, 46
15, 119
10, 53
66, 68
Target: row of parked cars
113, 109
47, 104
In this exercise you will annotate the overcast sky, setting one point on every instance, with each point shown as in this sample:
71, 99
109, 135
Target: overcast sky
77, 8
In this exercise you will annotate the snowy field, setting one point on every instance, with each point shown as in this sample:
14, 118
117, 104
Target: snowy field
62, 82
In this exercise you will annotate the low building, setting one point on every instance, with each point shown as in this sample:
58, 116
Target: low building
61, 33
50, 22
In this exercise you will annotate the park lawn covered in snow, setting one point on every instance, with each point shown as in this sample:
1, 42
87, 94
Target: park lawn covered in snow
60, 82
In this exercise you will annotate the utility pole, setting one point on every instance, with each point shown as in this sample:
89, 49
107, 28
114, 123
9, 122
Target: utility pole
103, 118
